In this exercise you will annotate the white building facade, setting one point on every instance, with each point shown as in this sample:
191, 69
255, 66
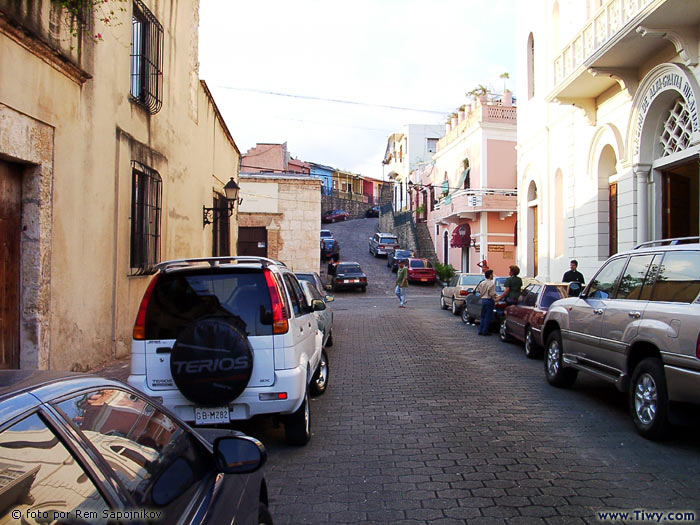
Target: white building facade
405, 151
608, 131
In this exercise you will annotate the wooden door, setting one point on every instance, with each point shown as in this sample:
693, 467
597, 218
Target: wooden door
10, 222
676, 201
252, 241
534, 240
612, 219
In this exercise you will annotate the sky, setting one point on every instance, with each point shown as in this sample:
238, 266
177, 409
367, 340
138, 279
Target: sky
334, 79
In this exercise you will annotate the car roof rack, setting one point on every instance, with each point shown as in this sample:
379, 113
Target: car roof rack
669, 242
214, 262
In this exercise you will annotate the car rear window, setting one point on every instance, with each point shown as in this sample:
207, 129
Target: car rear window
402, 253
420, 263
349, 268
550, 294
470, 280
178, 299
388, 240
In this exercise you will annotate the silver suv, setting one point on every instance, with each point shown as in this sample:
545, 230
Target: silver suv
637, 325
383, 243
227, 338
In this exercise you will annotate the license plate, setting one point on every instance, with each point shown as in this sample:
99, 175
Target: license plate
424, 279
355, 281
210, 415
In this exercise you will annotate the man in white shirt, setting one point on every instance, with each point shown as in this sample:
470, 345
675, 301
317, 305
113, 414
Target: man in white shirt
487, 290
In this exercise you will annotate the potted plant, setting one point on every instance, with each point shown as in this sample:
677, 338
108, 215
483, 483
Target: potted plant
444, 272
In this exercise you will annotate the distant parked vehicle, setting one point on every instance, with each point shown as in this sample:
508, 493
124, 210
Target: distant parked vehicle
394, 257
335, 216
372, 212
472, 305
330, 249
421, 271
523, 321
349, 275
383, 243
326, 234
455, 293
324, 316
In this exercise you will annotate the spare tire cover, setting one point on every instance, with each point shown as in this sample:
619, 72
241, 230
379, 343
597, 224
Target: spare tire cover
211, 361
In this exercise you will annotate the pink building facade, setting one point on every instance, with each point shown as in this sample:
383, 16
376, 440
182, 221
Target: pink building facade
468, 195
272, 158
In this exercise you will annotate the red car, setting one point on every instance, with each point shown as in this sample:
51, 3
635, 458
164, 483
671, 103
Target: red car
421, 271
523, 320
335, 215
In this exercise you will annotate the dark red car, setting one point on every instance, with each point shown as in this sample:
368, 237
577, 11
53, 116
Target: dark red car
523, 320
421, 271
335, 216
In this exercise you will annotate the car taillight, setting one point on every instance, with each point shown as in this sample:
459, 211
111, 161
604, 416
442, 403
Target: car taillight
140, 324
697, 348
501, 305
280, 325
381, 246
363, 279
464, 293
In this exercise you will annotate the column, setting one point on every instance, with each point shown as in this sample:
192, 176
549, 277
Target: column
641, 172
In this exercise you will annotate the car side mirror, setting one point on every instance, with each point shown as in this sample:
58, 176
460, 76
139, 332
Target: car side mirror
329, 298
239, 454
317, 305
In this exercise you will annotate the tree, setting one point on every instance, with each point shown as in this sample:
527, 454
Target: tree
504, 76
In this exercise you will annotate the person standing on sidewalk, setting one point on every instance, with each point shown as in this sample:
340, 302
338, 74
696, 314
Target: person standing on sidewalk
487, 290
401, 284
573, 275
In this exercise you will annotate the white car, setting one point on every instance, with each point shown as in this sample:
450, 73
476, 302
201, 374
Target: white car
227, 338
383, 243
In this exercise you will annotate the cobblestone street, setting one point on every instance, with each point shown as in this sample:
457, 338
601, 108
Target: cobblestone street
425, 422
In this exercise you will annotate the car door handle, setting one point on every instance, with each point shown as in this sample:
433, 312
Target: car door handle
598, 311
163, 350
634, 315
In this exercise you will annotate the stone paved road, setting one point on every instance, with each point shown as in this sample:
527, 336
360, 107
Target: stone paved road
423, 422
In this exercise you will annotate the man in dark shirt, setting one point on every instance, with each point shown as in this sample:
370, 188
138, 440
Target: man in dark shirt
573, 276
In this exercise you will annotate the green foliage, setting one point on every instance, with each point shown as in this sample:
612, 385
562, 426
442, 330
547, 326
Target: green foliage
445, 272
478, 91
420, 208
80, 11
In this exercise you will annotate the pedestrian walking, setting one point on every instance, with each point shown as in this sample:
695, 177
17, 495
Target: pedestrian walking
573, 275
487, 290
512, 287
401, 284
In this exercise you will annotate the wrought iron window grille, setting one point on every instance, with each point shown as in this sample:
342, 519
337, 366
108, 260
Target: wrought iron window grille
146, 58
146, 211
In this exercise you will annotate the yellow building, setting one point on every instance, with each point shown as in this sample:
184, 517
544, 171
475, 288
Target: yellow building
110, 145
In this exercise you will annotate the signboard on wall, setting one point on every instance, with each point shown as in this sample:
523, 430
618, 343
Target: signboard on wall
497, 248
475, 200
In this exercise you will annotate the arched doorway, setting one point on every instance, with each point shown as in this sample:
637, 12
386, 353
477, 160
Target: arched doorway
532, 234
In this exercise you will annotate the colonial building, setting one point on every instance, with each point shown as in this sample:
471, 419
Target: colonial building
405, 151
608, 135
272, 158
280, 217
111, 146
468, 194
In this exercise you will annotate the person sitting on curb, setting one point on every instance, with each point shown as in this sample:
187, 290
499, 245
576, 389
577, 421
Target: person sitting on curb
487, 290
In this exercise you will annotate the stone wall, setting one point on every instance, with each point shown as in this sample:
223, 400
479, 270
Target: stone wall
355, 209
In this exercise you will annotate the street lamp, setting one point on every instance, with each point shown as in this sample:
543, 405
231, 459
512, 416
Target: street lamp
231, 191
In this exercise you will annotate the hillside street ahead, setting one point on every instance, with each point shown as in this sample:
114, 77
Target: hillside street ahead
424, 422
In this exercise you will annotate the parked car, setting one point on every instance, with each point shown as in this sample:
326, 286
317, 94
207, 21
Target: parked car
394, 257
67, 438
457, 290
372, 212
324, 316
330, 249
314, 279
472, 304
637, 325
420, 271
348, 275
383, 243
523, 320
326, 234
335, 216
227, 338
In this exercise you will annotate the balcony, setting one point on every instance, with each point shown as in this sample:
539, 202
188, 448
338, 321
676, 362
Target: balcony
615, 42
482, 112
467, 204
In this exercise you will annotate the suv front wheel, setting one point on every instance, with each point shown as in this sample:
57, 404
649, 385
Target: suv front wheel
554, 370
648, 399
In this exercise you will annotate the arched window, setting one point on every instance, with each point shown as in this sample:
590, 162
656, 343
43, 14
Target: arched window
466, 174
530, 66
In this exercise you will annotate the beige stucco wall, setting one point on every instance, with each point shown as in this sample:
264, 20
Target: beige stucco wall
293, 231
97, 132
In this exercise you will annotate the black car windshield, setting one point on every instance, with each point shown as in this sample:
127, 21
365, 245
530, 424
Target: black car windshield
420, 263
350, 268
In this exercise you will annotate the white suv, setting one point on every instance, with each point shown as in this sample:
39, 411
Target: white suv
227, 338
